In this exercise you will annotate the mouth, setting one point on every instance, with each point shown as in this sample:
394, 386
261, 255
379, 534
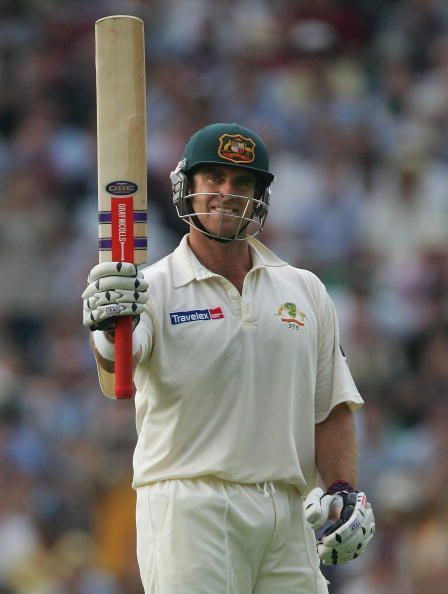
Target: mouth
225, 211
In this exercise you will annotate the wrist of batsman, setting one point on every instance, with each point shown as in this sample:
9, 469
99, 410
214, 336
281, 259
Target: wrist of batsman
108, 326
106, 347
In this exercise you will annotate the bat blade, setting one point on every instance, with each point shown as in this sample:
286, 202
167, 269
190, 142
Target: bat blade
122, 163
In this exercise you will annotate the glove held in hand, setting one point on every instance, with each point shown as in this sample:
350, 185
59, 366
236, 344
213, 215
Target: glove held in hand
113, 289
349, 535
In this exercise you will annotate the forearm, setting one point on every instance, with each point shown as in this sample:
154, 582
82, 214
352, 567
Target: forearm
336, 447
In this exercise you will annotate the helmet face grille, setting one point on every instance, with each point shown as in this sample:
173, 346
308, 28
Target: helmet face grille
247, 224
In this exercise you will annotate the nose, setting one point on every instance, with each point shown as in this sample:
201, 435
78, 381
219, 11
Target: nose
226, 187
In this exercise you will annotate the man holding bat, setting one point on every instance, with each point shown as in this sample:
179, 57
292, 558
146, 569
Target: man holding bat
243, 396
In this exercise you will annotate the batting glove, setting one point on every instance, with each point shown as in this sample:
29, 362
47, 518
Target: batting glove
113, 289
353, 524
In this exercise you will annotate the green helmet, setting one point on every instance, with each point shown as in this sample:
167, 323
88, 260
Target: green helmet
234, 146
228, 144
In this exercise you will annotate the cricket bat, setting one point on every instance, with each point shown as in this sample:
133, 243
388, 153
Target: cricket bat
122, 164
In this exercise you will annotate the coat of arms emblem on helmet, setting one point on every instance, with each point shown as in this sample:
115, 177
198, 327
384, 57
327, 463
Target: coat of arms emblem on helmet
236, 148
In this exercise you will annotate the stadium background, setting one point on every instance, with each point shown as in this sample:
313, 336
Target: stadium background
352, 99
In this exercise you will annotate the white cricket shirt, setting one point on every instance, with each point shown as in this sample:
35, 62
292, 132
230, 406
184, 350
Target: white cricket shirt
232, 385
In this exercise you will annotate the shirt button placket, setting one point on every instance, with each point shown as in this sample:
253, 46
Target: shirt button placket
235, 298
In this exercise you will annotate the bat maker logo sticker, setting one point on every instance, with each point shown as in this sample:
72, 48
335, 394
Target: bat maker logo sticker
121, 188
196, 315
122, 228
289, 315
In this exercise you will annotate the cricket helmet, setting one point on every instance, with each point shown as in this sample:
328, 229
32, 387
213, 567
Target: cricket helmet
231, 145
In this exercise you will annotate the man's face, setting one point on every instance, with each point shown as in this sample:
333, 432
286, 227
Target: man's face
224, 198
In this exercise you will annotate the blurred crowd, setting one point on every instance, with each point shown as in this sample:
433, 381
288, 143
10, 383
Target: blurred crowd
352, 99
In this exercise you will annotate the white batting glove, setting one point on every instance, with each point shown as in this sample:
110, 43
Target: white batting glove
113, 289
353, 523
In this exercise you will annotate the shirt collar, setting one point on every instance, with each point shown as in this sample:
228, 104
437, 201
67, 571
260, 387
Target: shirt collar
186, 267
262, 257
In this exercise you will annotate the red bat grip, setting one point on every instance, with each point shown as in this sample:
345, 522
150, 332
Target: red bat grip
124, 386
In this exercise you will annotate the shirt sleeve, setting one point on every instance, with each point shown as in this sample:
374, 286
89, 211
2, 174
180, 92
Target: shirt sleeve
334, 382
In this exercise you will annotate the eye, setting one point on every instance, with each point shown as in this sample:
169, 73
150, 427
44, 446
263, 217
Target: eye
213, 177
246, 183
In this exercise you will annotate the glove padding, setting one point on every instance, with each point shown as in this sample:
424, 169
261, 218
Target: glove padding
351, 532
113, 289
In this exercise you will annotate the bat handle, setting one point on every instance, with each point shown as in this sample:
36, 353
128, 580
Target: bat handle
124, 387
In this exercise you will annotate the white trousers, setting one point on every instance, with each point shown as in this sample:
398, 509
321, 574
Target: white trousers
207, 536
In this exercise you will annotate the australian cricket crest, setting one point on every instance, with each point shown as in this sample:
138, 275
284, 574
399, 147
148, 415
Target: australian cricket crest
236, 148
290, 315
